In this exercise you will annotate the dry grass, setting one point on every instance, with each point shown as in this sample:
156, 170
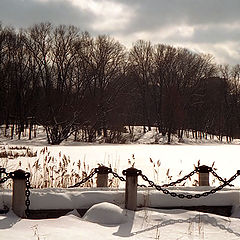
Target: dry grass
57, 172
60, 171
49, 171
15, 152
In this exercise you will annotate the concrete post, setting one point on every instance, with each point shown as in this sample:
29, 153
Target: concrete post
19, 189
203, 176
102, 176
131, 188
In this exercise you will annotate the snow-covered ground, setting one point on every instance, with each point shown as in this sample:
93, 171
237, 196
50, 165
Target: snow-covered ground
161, 163
107, 221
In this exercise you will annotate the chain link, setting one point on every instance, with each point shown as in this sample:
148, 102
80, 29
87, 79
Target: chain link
189, 196
4, 179
219, 178
118, 176
85, 179
124, 180
2, 170
27, 194
181, 179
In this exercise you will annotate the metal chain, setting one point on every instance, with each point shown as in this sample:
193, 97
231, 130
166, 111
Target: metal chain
181, 179
189, 196
142, 185
124, 180
96, 170
85, 179
118, 176
219, 178
191, 174
4, 179
27, 194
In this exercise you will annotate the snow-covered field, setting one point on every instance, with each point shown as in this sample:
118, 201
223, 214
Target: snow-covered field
161, 163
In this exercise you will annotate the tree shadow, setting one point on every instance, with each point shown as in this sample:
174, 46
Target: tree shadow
9, 220
203, 218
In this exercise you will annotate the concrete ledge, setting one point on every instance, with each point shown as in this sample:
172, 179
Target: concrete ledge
56, 213
53, 213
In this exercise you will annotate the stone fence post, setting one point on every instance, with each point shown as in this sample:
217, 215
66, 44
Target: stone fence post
131, 188
19, 190
203, 176
102, 176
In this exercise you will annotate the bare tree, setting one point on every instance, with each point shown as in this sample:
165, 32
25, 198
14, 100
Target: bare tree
55, 53
104, 62
141, 65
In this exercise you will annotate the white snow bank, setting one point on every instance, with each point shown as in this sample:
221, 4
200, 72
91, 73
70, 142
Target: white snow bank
140, 225
106, 213
236, 211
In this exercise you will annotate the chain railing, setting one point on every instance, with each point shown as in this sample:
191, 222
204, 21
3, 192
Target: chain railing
96, 170
93, 172
121, 178
150, 183
189, 196
196, 170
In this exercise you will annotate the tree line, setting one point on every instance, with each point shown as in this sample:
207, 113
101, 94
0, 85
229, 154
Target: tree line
71, 82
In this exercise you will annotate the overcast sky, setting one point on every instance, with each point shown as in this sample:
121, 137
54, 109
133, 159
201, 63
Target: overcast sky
208, 26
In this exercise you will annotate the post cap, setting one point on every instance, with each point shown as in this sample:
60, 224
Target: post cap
131, 172
19, 174
103, 170
204, 169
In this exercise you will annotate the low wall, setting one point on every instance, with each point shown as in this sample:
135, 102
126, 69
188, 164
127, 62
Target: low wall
57, 202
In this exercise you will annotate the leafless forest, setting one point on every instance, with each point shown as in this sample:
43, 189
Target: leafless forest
68, 81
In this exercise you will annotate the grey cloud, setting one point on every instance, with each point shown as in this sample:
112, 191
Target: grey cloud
23, 13
209, 18
156, 13
226, 56
209, 34
216, 34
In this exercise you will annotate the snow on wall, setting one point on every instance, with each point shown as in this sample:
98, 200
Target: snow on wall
85, 198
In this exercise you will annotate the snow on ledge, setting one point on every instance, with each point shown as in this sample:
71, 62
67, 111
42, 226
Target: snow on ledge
83, 198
